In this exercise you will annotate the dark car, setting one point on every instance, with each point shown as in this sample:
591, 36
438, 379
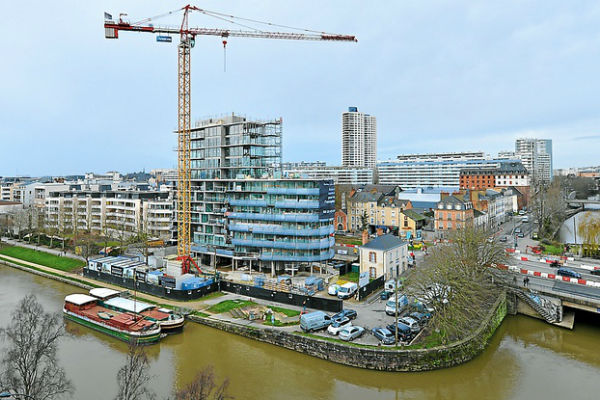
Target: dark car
384, 335
386, 294
404, 332
420, 317
568, 272
595, 272
555, 264
351, 314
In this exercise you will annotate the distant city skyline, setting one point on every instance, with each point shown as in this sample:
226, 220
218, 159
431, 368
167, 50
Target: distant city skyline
479, 76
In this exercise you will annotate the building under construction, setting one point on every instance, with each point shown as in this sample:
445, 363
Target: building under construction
242, 211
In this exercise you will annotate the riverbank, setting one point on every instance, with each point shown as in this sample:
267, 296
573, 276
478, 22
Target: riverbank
361, 356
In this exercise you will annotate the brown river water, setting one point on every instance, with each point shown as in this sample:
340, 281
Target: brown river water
527, 359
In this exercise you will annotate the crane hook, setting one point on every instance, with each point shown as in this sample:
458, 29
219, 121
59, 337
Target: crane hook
224, 55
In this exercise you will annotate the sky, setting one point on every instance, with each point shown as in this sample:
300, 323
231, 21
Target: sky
438, 75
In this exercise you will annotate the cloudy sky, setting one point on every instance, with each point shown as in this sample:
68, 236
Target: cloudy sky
438, 75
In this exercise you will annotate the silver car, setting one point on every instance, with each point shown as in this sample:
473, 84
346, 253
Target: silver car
351, 332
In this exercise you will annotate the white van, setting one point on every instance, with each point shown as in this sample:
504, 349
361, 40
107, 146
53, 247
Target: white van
347, 290
390, 306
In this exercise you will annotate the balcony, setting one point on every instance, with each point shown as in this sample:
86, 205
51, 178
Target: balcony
308, 258
291, 245
278, 230
294, 191
249, 203
275, 217
302, 204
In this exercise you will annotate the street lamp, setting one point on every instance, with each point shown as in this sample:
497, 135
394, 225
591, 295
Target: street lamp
6, 395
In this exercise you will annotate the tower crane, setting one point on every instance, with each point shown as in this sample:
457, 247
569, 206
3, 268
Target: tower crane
187, 37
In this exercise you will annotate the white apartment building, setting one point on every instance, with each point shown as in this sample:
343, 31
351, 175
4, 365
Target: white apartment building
536, 156
359, 139
115, 212
319, 170
430, 170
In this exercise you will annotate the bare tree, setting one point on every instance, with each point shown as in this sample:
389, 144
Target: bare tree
87, 243
133, 377
459, 282
205, 387
29, 364
548, 205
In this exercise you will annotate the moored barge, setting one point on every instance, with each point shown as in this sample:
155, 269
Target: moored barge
168, 321
88, 311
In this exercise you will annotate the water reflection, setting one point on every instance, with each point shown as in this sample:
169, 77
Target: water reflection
526, 359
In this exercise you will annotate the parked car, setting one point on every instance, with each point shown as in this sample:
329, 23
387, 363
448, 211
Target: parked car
390, 285
338, 324
535, 236
411, 323
314, 321
347, 290
521, 234
345, 313
517, 230
390, 306
522, 212
404, 332
333, 289
568, 272
386, 294
384, 335
349, 333
420, 317
503, 239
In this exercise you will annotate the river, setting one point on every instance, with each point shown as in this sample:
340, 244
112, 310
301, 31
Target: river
527, 359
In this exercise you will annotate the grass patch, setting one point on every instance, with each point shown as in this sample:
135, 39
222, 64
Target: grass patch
553, 250
229, 305
350, 276
285, 311
279, 323
212, 295
348, 240
42, 258
201, 314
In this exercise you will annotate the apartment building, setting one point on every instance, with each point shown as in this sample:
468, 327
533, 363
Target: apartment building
338, 174
379, 205
504, 175
452, 213
430, 170
114, 213
359, 139
243, 211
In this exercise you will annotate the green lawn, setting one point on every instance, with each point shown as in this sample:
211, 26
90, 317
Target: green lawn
350, 276
554, 250
357, 241
229, 305
42, 258
285, 311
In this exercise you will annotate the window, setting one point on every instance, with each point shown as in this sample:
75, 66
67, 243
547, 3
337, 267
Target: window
372, 221
372, 257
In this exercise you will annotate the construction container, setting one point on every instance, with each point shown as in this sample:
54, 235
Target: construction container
315, 283
167, 281
259, 281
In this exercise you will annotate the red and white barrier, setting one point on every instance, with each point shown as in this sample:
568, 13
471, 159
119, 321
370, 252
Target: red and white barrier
545, 275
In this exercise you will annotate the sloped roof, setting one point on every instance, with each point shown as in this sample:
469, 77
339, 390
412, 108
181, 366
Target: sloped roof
415, 216
384, 242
